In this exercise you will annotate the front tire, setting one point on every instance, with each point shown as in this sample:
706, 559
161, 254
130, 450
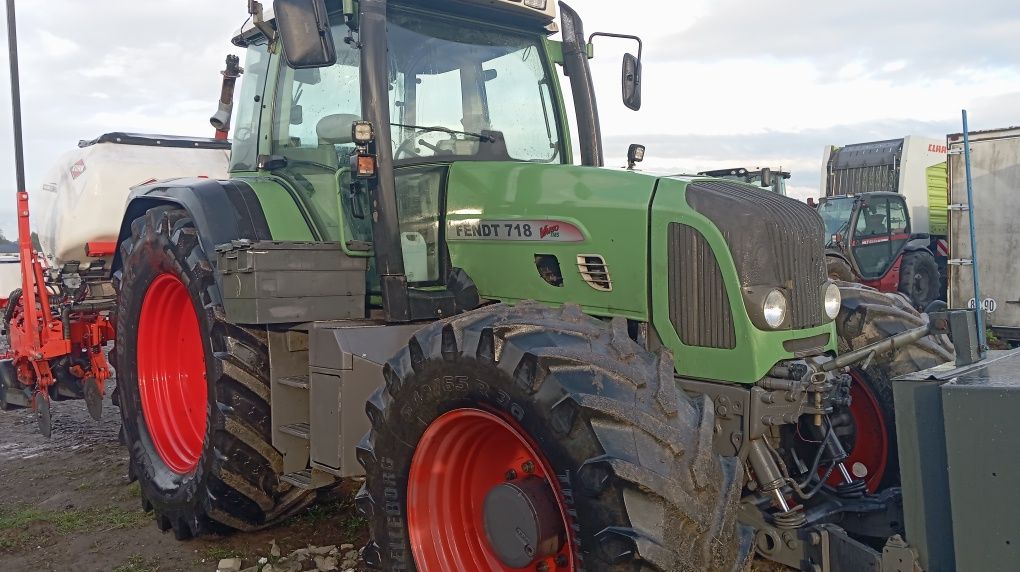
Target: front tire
194, 389
867, 429
919, 278
839, 269
625, 461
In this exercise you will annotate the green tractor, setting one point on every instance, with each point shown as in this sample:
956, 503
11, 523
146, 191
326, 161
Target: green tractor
563, 367
765, 177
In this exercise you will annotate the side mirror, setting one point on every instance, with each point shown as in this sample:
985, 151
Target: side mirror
304, 30
766, 178
632, 81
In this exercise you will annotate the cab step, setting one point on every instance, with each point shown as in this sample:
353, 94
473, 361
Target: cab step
308, 479
296, 381
302, 430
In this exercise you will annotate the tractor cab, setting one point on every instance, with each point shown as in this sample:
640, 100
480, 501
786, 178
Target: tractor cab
871, 230
869, 240
434, 84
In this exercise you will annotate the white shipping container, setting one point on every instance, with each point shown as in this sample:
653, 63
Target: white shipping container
995, 170
83, 196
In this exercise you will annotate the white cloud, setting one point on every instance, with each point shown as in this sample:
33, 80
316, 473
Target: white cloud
727, 82
54, 46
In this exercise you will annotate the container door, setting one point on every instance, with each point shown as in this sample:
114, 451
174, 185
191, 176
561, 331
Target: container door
995, 169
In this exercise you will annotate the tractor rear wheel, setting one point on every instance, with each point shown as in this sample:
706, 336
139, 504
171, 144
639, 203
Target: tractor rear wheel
867, 428
919, 278
193, 389
531, 438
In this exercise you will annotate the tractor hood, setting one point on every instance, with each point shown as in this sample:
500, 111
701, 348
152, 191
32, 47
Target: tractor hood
554, 233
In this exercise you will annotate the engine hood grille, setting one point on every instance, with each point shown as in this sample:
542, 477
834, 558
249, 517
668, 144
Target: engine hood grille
774, 241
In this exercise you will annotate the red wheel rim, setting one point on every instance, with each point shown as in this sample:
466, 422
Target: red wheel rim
171, 373
870, 453
460, 458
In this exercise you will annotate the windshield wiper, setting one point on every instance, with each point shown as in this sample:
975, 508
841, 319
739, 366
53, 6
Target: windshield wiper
479, 136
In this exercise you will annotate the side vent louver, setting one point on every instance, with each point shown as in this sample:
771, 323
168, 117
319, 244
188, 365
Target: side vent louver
595, 272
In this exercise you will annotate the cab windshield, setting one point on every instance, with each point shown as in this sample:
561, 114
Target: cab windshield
835, 213
466, 92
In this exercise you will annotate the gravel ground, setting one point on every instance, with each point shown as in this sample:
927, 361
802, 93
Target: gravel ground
66, 505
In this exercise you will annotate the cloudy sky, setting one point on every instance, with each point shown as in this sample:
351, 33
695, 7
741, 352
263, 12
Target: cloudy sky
727, 82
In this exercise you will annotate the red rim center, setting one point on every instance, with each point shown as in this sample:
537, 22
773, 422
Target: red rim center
171, 374
869, 455
463, 455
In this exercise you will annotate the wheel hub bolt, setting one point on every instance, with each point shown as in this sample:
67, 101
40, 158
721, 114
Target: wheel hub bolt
528, 467
561, 560
542, 567
511, 475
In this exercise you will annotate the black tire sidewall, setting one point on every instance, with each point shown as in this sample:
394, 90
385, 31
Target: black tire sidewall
914, 263
153, 254
441, 387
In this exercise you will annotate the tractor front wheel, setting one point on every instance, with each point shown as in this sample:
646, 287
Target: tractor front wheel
867, 428
523, 437
193, 389
839, 269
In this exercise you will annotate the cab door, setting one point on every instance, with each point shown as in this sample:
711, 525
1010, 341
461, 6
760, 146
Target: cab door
879, 232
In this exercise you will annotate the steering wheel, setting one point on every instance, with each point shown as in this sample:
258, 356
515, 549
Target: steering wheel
407, 147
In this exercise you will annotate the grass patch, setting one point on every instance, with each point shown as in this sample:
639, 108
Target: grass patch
138, 564
134, 490
217, 553
93, 519
340, 513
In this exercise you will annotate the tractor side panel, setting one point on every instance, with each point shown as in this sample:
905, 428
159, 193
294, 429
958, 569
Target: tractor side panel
285, 219
697, 307
552, 233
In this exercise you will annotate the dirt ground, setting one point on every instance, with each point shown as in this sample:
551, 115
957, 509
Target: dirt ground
66, 505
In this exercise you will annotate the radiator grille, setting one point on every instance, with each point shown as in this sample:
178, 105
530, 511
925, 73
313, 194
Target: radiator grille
698, 304
774, 241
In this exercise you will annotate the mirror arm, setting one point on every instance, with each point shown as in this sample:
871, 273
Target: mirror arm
640, 44
255, 11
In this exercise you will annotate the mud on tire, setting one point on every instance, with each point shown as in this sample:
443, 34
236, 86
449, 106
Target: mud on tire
645, 490
235, 484
868, 316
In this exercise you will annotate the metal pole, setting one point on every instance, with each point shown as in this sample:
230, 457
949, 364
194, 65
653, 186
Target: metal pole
978, 313
12, 50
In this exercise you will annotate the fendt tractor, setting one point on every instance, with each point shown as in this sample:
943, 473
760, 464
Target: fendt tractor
535, 365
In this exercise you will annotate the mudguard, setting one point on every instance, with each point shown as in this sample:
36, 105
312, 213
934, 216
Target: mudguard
222, 210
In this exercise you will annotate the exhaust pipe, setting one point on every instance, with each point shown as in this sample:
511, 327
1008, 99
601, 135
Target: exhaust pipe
221, 119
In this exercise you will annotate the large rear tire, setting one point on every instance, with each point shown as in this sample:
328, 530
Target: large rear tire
867, 428
919, 278
625, 459
194, 389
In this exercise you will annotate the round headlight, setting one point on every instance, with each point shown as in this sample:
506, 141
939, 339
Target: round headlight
774, 309
832, 301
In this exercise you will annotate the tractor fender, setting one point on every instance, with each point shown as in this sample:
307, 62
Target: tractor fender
221, 210
917, 243
834, 253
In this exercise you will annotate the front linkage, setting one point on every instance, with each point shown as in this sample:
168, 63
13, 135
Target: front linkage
808, 510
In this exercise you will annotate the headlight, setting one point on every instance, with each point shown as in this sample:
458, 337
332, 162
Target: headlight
774, 309
832, 301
